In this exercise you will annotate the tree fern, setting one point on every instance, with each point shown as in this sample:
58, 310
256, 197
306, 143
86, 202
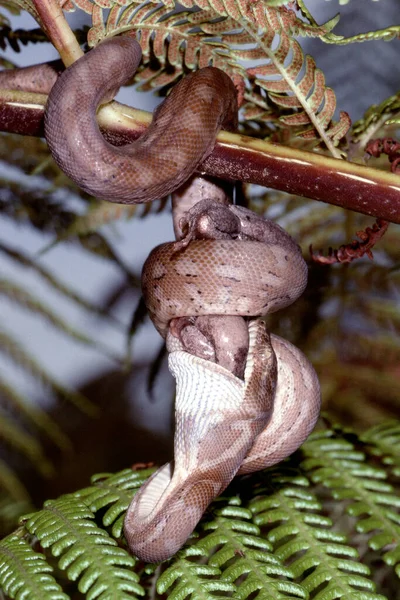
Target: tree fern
242, 556
26, 573
114, 493
87, 553
275, 533
384, 441
305, 540
336, 464
172, 38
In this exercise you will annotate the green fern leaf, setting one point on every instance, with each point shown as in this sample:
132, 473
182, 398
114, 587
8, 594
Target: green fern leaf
198, 581
237, 557
87, 553
244, 556
334, 463
374, 119
25, 574
385, 441
304, 538
114, 492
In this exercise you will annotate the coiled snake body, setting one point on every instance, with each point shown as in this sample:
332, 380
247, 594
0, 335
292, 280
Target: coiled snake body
227, 421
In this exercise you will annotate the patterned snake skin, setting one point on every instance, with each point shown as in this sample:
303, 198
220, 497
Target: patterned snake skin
225, 424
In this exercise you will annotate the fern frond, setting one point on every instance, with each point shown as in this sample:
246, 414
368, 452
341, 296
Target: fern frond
14, 351
54, 282
269, 535
173, 39
286, 19
34, 415
24, 203
303, 537
20, 37
87, 553
11, 508
387, 34
10, 483
115, 493
376, 117
316, 102
197, 581
14, 436
27, 300
243, 556
25, 573
103, 213
385, 442
335, 463
189, 579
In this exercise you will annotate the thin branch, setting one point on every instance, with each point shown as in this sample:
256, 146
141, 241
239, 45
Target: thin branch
239, 158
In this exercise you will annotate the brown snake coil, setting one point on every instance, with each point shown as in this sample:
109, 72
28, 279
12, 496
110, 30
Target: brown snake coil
181, 135
225, 424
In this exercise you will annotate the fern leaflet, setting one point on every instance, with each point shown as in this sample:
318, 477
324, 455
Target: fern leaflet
333, 461
114, 492
386, 443
303, 537
87, 553
25, 573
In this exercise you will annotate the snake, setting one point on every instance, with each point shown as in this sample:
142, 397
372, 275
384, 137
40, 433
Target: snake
227, 423
245, 398
181, 135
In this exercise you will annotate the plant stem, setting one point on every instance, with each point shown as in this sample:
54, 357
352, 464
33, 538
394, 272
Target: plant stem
239, 158
57, 29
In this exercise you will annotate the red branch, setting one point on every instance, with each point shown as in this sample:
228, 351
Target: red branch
355, 249
388, 146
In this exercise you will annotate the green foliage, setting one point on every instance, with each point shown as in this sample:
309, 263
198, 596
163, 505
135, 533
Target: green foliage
25, 573
385, 443
318, 554
113, 492
277, 534
337, 465
87, 553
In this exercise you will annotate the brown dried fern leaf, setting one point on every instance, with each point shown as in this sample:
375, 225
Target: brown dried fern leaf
293, 82
172, 42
